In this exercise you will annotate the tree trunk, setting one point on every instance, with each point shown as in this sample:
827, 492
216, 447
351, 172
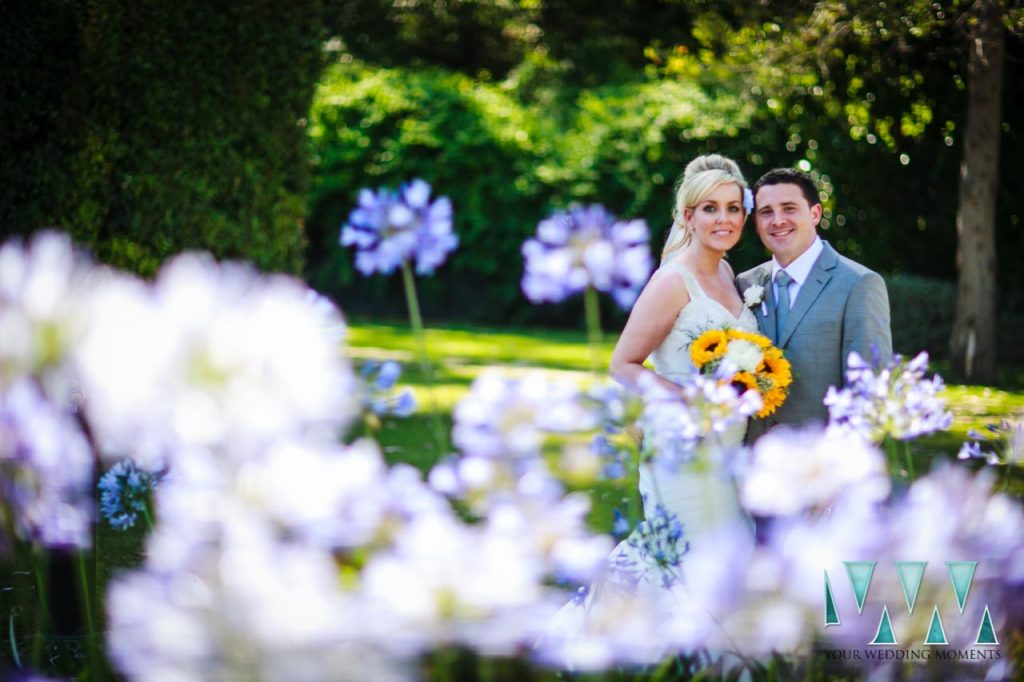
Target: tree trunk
973, 342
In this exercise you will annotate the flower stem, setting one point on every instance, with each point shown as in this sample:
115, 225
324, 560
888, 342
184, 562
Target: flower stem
892, 460
39, 568
85, 589
592, 307
421, 345
149, 517
910, 461
10, 637
636, 506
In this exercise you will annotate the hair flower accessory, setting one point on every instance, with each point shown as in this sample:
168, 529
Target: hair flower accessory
753, 295
748, 200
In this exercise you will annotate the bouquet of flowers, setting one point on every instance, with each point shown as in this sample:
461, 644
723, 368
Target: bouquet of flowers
759, 365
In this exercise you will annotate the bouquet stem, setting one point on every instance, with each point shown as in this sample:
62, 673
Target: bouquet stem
416, 320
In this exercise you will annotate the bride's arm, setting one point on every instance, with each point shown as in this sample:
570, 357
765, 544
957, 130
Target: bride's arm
650, 321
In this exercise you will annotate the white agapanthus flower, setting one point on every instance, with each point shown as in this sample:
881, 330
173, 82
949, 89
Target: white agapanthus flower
445, 582
258, 609
557, 529
210, 354
43, 286
790, 471
613, 628
511, 416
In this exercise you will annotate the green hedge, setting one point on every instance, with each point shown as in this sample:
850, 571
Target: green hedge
922, 314
178, 125
505, 165
922, 318
371, 128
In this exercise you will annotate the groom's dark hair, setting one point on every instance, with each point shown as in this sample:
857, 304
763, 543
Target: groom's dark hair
788, 176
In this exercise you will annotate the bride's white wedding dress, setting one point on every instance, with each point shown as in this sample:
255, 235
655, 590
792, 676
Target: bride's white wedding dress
701, 495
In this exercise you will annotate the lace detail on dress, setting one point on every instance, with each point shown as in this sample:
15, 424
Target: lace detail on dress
672, 357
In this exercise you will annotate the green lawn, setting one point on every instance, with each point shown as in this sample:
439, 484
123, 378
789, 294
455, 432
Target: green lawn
459, 353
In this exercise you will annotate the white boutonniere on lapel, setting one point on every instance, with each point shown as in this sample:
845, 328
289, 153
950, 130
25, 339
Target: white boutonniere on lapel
753, 295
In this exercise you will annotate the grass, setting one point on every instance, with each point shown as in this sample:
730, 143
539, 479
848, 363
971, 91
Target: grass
460, 353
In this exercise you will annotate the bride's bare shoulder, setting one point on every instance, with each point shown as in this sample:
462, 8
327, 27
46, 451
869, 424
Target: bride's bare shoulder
664, 295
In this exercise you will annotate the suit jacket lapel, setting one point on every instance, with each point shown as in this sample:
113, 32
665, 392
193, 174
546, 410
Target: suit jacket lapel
819, 276
766, 313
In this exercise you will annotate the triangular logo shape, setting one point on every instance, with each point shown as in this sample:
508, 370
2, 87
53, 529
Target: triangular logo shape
986, 631
831, 612
885, 636
860, 573
961, 573
911, 573
936, 633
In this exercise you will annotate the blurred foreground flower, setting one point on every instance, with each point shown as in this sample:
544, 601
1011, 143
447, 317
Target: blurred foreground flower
46, 470
218, 354
1005, 440
43, 285
893, 399
792, 471
704, 411
889, 404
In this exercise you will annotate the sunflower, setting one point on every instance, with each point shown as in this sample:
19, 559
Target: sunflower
707, 347
772, 399
777, 368
758, 340
743, 382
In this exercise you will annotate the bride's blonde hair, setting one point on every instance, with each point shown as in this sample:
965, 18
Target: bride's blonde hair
702, 176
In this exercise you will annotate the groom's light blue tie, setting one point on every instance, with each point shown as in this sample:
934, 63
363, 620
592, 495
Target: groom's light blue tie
782, 281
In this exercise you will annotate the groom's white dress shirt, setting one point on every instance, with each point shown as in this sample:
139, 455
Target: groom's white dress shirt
799, 270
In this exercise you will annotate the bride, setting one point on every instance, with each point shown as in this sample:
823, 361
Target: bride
688, 506
694, 290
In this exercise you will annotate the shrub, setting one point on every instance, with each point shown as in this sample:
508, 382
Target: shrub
504, 164
182, 128
922, 314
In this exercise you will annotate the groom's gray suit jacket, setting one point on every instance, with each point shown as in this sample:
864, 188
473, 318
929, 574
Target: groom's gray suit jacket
842, 307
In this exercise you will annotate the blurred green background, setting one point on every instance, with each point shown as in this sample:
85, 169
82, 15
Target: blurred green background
247, 128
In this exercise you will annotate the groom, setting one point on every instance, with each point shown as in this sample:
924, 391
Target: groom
817, 306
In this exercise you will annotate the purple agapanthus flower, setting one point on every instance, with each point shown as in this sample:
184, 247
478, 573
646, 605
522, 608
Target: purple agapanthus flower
381, 398
46, 468
586, 247
892, 399
705, 410
661, 544
390, 228
1005, 441
124, 490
